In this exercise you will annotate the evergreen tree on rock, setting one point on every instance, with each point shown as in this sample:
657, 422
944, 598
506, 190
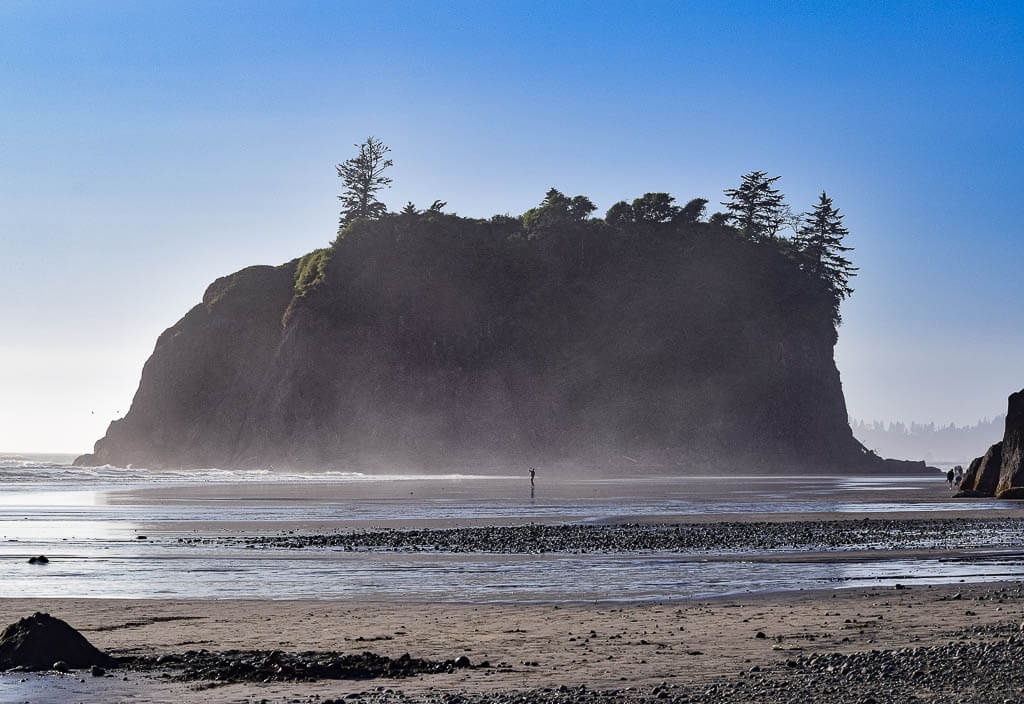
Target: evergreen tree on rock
820, 251
756, 209
364, 176
655, 208
555, 211
692, 212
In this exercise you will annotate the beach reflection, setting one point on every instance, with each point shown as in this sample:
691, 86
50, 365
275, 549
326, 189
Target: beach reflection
461, 578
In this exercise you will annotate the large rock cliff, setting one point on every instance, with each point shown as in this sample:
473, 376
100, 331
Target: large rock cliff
437, 341
1000, 472
1011, 473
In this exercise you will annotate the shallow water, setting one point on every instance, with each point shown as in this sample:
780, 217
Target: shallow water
86, 520
463, 578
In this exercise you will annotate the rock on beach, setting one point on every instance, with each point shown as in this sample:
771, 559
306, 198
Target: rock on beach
40, 641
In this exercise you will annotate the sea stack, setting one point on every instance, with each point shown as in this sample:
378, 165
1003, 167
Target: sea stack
1011, 475
434, 341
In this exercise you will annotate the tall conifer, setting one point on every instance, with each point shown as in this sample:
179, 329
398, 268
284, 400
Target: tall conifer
757, 209
820, 251
363, 175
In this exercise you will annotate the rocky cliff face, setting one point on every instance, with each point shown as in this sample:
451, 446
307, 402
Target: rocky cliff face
1011, 474
982, 476
441, 341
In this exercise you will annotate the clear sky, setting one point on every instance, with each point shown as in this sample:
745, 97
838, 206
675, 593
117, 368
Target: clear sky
147, 148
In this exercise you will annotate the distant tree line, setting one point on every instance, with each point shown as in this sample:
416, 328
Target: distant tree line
928, 441
755, 211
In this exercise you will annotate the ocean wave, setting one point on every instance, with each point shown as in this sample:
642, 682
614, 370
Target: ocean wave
18, 469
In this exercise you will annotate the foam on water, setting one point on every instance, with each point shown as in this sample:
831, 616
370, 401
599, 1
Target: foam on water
15, 469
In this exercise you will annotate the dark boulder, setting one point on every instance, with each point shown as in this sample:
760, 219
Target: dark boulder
1011, 476
40, 641
983, 474
970, 479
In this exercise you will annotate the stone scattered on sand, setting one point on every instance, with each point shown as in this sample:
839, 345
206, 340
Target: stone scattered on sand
953, 533
41, 642
39, 560
281, 666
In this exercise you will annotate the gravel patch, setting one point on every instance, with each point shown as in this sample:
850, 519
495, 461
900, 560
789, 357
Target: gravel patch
865, 534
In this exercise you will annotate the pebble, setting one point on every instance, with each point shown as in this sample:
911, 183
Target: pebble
279, 666
825, 535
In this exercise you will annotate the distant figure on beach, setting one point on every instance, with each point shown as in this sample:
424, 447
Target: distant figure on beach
958, 476
533, 475
949, 477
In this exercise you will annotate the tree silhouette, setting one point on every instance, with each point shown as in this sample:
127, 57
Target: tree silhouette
654, 207
756, 208
692, 212
363, 176
557, 210
820, 251
620, 215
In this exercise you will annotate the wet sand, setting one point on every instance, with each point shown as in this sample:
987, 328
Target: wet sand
687, 645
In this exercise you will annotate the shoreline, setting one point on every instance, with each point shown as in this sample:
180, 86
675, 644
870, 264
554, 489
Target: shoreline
698, 648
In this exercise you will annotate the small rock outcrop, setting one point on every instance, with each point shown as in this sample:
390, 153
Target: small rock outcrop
41, 641
982, 476
1011, 476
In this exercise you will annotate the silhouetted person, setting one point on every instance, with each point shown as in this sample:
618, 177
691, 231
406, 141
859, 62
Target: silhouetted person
949, 478
533, 475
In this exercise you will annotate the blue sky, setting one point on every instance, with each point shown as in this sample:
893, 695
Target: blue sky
148, 147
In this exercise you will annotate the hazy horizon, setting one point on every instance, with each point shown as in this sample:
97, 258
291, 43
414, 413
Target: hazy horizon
159, 146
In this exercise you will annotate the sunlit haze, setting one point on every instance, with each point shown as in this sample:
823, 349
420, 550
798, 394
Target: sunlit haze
149, 148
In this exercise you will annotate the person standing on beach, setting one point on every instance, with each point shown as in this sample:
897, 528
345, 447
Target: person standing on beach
949, 478
533, 475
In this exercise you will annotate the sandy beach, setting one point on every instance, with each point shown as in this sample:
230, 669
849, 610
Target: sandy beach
878, 600
629, 648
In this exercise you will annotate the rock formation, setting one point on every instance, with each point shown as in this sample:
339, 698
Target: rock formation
40, 641
1011, 476
982, 475
1000, 472
435, 341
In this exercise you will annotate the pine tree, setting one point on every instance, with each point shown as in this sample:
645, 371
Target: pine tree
756, 208
363, 175
655, 208
556, 211
820, 251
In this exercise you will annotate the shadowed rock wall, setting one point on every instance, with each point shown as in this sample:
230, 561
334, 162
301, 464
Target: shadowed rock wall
1011, 475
